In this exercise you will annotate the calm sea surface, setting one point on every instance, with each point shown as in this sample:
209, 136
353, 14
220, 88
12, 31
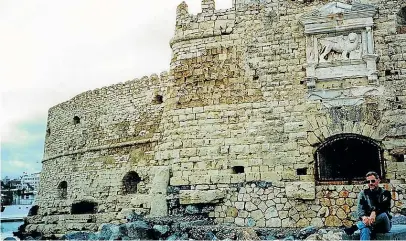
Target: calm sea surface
7, 228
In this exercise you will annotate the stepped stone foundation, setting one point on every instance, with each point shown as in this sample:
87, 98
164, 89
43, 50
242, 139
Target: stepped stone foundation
269, 116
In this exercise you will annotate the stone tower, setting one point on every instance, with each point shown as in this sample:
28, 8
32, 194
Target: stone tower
270, 115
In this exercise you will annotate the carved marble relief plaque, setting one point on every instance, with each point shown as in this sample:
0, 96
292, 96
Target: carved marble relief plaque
339, 44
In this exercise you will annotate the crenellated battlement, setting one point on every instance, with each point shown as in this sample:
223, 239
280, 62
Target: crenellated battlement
208, 23
211, 22
208, 6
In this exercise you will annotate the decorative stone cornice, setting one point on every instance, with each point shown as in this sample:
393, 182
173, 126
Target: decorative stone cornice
338, 16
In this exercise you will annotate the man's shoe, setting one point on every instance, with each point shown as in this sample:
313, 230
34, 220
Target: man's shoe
351, 230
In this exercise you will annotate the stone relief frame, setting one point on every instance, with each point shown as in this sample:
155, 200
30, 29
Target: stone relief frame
339, 43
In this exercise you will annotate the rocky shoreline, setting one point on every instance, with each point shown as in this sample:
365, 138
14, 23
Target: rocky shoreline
196, 227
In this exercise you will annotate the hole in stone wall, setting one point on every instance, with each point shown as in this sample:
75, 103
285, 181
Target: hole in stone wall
301, 171
48, 132
387, 72
63, 190
396, 99
130, 182
33, 210
225, 33
256, 77
84, 207
301, 82
399, 107
399, 158
237, 169
76, 120
159, 99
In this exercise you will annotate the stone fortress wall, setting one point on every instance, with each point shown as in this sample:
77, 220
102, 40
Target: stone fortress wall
237, 127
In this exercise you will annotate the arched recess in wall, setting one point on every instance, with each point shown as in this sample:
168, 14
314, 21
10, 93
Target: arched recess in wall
130, 182
84, 207
346, 158
401, 21
63, 190
33, 210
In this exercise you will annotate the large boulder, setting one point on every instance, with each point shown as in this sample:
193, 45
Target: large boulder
79, 236
107, 231
161, 229
137, 230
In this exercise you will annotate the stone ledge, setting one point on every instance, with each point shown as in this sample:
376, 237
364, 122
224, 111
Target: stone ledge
398, 232
196, 196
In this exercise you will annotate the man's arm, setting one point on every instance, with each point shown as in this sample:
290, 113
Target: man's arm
361, 205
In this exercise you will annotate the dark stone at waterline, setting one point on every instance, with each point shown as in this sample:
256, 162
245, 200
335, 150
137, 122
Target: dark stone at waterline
80, 236
210, 236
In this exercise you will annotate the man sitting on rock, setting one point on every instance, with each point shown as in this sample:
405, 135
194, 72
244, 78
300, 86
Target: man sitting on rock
373, 209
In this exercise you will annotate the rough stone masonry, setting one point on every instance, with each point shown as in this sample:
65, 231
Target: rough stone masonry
270, 115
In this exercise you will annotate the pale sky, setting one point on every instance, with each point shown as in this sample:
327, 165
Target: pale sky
52, 50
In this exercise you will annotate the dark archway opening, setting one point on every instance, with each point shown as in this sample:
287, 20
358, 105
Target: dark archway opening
84, 207
76, 120
33, 210
63, 190
130, 182
346, 158
401, 21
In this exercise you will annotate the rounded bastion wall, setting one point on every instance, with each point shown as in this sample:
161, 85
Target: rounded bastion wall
97, 138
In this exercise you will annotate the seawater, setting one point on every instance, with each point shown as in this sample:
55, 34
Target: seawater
7, 228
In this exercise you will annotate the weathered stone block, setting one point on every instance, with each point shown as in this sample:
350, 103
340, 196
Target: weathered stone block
178, 181
199, 179
159, 206
301, 190
160, 180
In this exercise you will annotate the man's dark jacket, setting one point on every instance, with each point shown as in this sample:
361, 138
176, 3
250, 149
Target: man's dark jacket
374, 200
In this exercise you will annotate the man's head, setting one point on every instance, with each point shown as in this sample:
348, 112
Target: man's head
372, 179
